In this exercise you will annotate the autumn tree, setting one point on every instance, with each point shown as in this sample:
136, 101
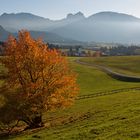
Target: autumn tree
39, 78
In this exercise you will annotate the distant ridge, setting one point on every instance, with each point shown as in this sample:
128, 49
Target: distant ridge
113, 16
78, 14
21, 15
104, 26
45, 36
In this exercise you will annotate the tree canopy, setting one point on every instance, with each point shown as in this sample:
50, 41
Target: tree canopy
39, 78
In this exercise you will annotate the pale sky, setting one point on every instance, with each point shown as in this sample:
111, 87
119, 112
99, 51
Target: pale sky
57, 9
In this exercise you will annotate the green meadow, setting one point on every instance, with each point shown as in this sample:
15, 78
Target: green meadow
114, 117
110, 117
129, 65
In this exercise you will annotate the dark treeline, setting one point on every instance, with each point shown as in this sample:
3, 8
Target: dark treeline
79, 50
53, 46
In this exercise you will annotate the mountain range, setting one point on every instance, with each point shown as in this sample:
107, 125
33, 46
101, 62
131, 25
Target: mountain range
45, 36
100, 27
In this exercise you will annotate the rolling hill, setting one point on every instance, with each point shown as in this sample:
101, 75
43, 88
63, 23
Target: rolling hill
51, 37
45, 36
99, 27
104, 27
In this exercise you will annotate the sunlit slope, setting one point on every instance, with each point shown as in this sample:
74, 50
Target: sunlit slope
104, 118
111, 117
92, 80
129, 65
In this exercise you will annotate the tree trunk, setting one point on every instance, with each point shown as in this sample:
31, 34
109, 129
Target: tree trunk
35, 122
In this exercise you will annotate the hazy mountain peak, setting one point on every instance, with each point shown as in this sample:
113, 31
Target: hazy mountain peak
110, 13
20, 15
104, 26
6, 14
78, 15
113, 16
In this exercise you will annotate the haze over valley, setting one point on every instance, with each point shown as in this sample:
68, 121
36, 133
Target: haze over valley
109, 27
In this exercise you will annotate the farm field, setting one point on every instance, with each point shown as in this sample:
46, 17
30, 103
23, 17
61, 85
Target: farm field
129, 65
92, 80
110, 117
114, 117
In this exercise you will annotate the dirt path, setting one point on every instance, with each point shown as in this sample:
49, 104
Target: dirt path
115, 75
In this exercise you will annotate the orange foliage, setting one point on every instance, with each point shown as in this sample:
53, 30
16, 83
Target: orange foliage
40, 75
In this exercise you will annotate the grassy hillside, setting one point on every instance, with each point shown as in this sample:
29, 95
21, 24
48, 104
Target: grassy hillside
92, 80
123, 64
114, 117
110, 117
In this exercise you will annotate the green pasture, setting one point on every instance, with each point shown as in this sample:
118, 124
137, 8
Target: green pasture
110, 117
91, 80
129, 65
114, 117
